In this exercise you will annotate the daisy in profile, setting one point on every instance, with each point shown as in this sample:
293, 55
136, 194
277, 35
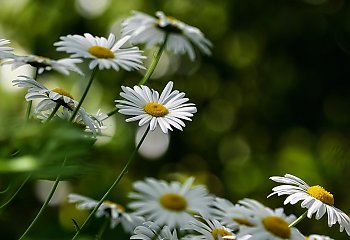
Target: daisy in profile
102, 53
114, 211
318, 237
268, 224
5, 51
208, 230
315, 198
171, 204
146, 106
231, 215
180, 38
51, 100
149, 231
63, 66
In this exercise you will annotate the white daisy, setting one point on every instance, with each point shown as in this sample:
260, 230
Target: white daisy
181, 38
49, 100
318, 237
171, 204
5, 51
150, 231
231, 215
167, 110
315, 198
208, 230
104, 53
45, 64
114, 211
268, 224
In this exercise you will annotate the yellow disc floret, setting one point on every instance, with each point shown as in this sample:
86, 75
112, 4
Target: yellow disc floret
62, 92
115, 205
173, 202
155, 109
277, 226
40, 58
321, 194
101, 52
171, 27
242, 221
220, 232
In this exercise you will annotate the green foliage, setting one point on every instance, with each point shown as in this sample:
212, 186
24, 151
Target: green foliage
272, 99
40, 149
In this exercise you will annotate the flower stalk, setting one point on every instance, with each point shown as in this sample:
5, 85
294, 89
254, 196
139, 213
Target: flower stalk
116, 181
45, 204
30, 103
58, 105
301, 217
154, 63
84, 94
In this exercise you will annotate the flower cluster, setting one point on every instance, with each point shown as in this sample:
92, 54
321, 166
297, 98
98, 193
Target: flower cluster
166, 111
171, 210
157, 209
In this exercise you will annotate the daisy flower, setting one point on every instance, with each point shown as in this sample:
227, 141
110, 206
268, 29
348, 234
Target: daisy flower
104, 53
231, 215
315, 198
268, 224
170, 204
208, 230
5, 50
318, 237
167, 110
45, 64
49, 100
181, 38
150, 231
114, 211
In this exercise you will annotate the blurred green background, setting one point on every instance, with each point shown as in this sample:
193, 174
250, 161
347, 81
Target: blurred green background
272, 99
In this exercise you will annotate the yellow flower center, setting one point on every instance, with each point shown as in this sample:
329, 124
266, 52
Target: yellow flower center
242, 221
171, 27
39, 61
116, 205
277, 226
321, 194
171, 18
155, 109
62, 92
220, 232
173, 202
42, 58
101, 52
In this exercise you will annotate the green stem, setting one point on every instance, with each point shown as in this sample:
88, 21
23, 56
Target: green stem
112, 112
103, 229
45, 204
154, 63
116, 181
15, 193
29, 109
30, 103
53, 112
302, 216
150, 70
36, 74
84, 94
